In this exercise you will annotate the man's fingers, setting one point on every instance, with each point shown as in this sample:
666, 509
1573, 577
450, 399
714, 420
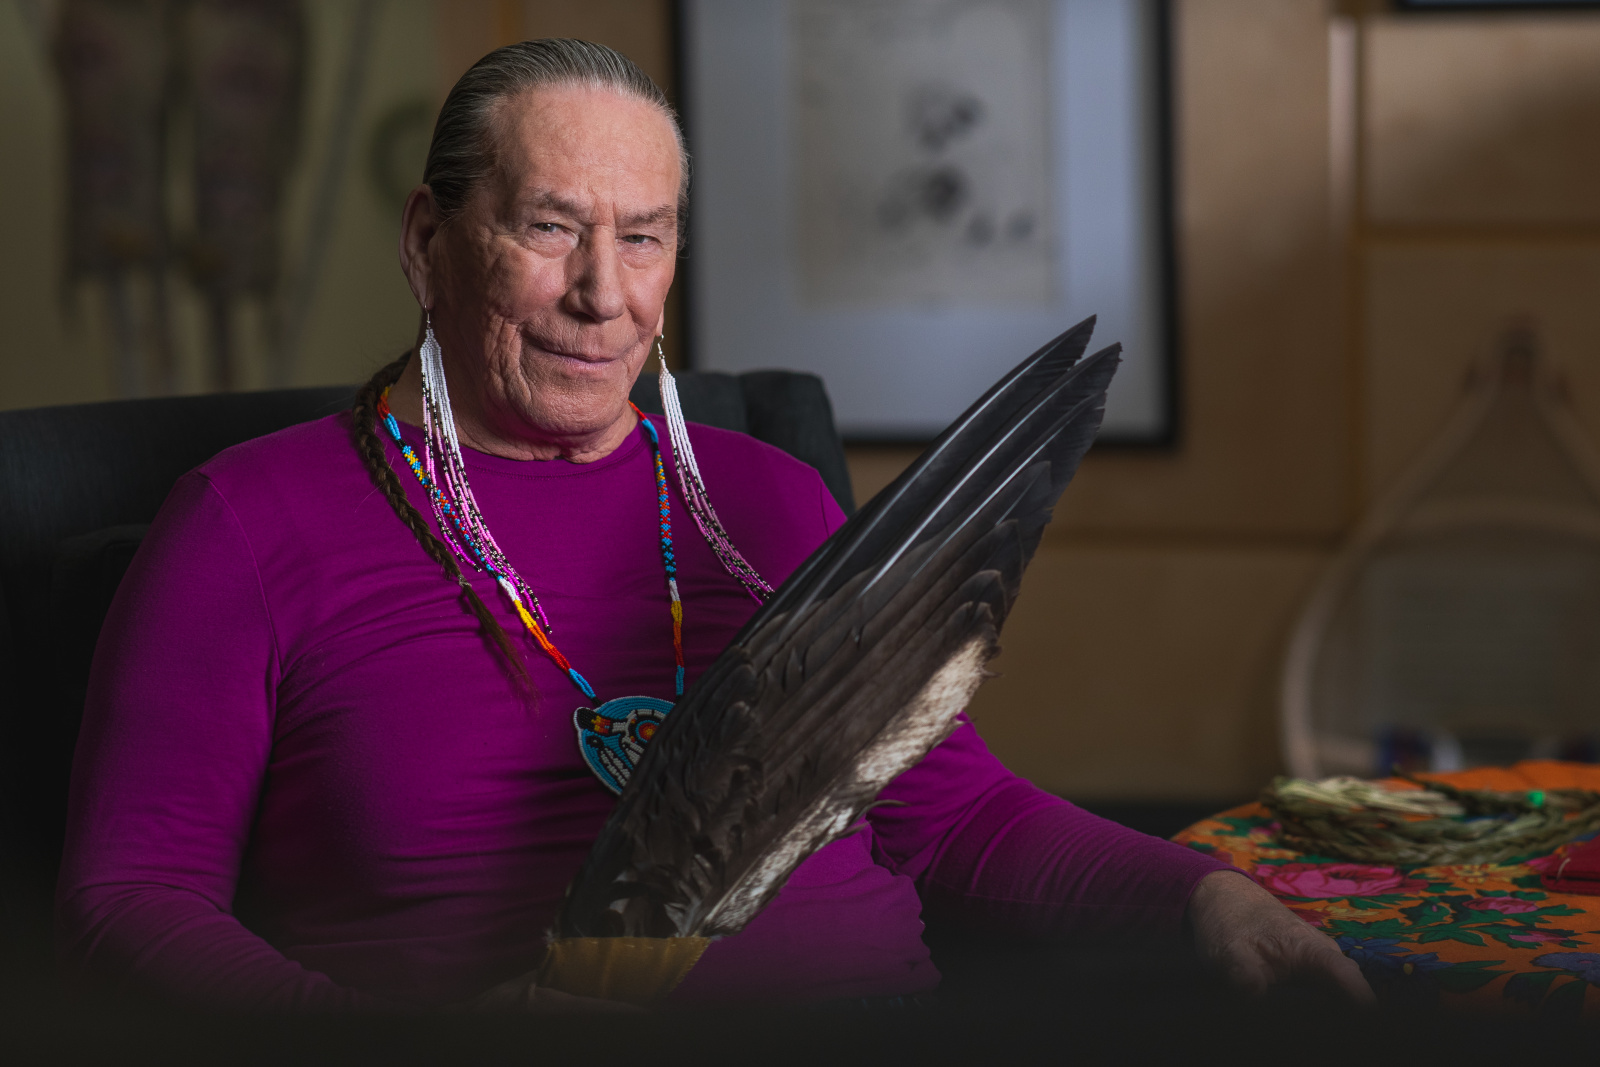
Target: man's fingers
1340, 975
1317, 960
1258, 943
1249, 973
1354, 983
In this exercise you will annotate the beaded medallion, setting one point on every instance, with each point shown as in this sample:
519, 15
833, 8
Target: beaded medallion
613, 736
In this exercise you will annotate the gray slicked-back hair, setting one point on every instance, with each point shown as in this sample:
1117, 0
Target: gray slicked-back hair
460, 154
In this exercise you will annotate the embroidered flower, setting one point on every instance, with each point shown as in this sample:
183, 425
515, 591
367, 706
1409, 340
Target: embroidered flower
1585, 965
1385, 952
1322, 881
1538, 937
1504, 905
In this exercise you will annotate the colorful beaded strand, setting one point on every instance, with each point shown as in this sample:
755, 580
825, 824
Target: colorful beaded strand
473, 533
664, 507
473, 553
439, 429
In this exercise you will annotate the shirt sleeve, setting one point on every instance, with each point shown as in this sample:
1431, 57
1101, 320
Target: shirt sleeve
169, 767
991, 850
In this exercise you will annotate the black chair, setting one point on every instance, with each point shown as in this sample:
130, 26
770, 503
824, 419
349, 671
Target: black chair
79, 486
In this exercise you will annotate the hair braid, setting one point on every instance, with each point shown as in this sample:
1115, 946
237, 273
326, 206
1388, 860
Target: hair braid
370, 447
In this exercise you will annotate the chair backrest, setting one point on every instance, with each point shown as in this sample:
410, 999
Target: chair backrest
80, 484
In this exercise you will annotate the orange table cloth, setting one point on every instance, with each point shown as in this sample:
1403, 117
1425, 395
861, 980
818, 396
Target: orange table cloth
1475, 937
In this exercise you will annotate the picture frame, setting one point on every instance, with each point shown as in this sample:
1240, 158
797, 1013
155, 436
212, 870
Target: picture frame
784, 266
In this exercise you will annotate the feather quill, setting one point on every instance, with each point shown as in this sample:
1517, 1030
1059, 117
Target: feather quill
850, 674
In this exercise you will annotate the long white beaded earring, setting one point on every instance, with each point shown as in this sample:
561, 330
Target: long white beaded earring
436, 395
693, 488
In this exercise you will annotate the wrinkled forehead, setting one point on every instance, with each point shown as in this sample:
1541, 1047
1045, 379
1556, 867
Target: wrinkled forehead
585, 137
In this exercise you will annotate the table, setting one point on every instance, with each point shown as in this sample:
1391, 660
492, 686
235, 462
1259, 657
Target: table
1475, 937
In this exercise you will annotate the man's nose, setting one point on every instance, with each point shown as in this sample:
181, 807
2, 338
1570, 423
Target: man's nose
594, 282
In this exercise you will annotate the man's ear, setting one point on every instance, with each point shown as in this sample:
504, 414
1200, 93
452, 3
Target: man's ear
418, 227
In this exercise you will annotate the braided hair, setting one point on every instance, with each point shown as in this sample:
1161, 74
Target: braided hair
370, 447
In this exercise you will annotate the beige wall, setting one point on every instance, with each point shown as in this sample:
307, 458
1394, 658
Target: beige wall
1352, 232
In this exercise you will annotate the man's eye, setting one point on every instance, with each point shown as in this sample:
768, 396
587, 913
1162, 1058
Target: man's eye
546, 227
638, 238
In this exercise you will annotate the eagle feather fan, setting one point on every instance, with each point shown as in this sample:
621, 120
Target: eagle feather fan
853, 671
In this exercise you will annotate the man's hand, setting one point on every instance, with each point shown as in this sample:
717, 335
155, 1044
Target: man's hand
1256, 943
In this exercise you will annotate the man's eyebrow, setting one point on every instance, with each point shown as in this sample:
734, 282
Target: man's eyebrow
550, 201
654, 217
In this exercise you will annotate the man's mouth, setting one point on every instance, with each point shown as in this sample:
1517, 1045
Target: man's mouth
577, 356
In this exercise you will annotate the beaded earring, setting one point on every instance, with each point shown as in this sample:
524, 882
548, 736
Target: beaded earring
693, 488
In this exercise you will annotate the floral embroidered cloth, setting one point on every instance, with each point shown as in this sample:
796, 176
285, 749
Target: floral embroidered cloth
1479, 937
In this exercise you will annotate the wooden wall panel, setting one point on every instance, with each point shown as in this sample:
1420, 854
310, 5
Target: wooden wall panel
466, 30
1433, 309
639, 29
1145, 672
1485, 121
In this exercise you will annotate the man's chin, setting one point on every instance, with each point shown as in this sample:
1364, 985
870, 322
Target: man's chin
578, 412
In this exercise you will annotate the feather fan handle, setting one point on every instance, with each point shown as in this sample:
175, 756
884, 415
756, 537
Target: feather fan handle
693, 487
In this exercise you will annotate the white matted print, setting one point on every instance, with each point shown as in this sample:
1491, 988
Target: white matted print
907, 197
923, 154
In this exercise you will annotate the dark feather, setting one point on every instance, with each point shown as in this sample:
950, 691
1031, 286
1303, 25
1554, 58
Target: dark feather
850, 674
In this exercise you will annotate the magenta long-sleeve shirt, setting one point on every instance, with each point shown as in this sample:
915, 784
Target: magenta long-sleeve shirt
306, 780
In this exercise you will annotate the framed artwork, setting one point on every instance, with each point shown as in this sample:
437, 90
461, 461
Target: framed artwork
907, 197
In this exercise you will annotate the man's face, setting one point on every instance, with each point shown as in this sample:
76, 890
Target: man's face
551, 280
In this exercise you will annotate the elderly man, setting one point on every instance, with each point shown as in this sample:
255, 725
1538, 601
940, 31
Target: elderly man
337, 749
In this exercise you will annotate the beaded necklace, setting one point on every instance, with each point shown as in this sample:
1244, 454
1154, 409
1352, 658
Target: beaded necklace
612, 736
486, 555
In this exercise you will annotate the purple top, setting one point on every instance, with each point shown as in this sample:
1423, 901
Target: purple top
306, 780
